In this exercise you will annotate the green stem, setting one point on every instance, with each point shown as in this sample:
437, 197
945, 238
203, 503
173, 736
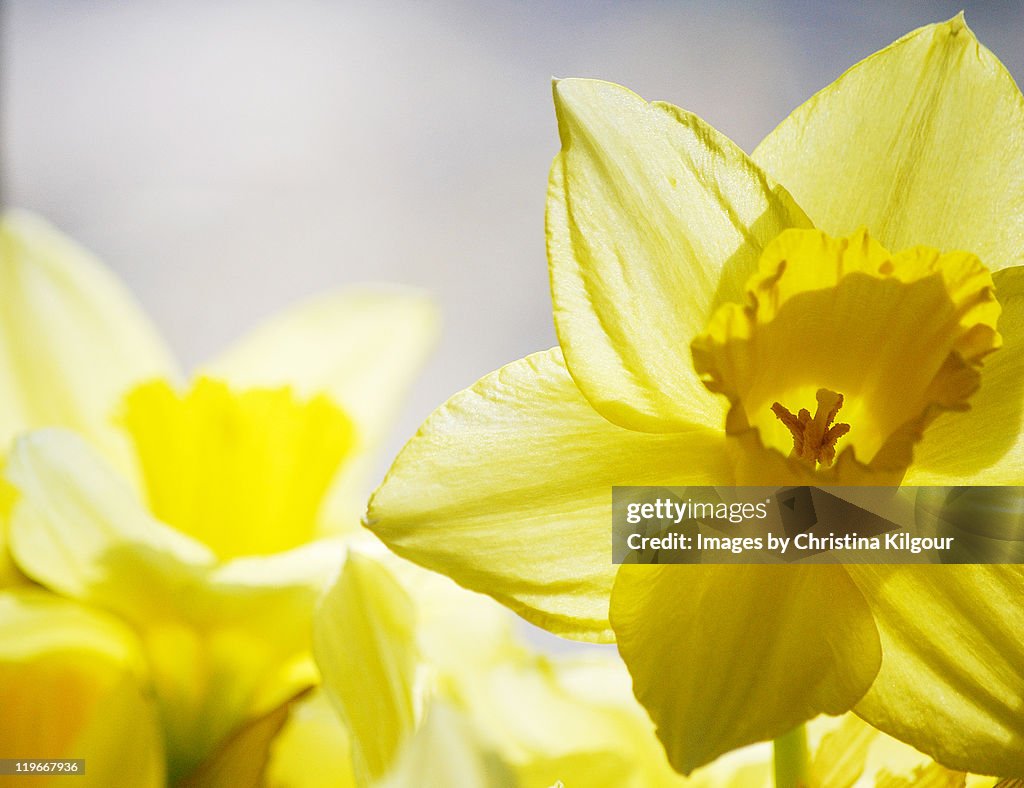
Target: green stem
792, 759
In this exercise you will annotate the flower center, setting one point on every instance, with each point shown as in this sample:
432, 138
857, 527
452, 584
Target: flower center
902, 336
814, 439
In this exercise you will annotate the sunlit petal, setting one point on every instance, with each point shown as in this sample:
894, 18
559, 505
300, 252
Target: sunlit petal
921, 142
653, 219
751, 651
952, 676
506, 490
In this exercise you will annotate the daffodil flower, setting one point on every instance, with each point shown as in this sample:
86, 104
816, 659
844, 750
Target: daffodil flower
434, 688
203, 517
719, 317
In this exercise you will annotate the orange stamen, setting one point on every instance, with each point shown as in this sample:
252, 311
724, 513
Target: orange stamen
814, 439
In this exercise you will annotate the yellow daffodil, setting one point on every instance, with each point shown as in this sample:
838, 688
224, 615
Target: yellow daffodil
200, 517
434, 689
829, 309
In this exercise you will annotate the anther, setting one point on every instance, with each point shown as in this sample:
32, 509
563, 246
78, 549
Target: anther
814, 439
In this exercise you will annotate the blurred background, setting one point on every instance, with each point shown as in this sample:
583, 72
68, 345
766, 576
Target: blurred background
229, 158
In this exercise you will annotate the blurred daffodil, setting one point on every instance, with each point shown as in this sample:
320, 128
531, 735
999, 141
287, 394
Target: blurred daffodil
432, 688
202, 517
716, 328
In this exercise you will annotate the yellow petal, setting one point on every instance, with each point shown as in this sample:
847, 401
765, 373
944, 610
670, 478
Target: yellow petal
952, 676
313, 749
600, 688
539, 719
653, 218
365, 644
899, 337
495, 714
920, 142
723, 656
505, 489
851, 752
244, 472
9, 574
73, 684
984, 445
72, 340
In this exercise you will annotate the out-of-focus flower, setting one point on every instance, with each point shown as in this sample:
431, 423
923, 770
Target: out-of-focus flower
843, 752
681, 271
203, 518
434, 689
